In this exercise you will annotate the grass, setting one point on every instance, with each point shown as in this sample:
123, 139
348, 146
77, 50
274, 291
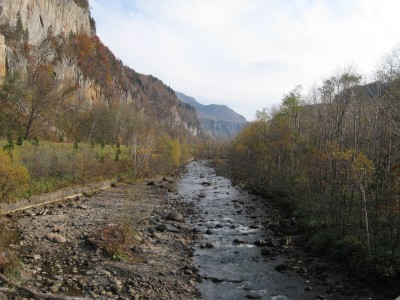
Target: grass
58, 165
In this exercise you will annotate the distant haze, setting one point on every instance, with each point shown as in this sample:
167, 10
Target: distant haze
217, 121
247, 53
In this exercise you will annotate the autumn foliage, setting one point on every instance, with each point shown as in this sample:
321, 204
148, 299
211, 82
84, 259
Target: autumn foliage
14, 177
332, 156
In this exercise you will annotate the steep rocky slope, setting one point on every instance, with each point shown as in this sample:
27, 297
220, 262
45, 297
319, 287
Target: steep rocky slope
61, 33
218, 121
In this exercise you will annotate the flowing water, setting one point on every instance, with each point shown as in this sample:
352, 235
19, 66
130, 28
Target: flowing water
225, 213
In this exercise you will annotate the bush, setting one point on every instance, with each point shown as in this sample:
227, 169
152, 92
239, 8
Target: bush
14, 177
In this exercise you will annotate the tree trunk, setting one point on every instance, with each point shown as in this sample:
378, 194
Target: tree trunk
365, 211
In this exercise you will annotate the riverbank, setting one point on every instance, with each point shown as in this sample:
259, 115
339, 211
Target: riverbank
335, 279
126, 242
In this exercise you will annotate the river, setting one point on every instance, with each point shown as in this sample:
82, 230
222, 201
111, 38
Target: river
229, 218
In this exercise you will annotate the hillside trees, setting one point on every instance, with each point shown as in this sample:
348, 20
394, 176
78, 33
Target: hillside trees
335, 153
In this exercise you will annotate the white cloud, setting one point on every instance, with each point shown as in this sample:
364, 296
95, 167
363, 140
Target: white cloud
246, 53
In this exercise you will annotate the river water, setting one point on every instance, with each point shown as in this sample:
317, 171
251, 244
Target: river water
226, 213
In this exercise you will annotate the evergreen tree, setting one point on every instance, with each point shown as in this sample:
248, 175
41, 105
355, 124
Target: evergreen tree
19, 27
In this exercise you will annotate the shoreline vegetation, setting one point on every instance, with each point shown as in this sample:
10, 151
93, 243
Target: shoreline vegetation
331, 156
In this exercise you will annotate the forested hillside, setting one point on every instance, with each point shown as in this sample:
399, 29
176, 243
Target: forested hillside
333, 154
59, 83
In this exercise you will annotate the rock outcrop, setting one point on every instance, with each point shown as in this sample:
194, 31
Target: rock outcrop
60, 16
51, 24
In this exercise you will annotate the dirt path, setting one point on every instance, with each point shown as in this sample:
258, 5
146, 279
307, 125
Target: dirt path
127, 242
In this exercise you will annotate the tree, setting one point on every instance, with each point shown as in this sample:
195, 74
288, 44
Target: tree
19, 27
14, 178
361, 172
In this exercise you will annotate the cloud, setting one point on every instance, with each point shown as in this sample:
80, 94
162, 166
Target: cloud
246, 53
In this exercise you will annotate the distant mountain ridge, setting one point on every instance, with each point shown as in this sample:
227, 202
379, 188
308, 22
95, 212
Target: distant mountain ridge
219, 121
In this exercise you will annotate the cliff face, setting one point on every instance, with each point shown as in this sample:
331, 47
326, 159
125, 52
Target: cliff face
61, 16
62, 33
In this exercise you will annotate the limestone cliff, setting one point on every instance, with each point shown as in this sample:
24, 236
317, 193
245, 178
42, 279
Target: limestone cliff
62, 32
61, 16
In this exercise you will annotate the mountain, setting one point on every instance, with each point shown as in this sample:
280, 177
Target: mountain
86, 93
218, 121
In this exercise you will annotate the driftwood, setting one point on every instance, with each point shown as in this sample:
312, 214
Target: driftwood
35, 294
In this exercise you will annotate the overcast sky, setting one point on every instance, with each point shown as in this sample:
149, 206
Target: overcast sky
247, 53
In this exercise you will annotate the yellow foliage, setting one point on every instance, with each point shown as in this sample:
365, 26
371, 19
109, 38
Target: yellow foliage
14, 178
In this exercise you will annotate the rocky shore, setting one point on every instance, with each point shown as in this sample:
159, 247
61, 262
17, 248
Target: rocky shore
126, 242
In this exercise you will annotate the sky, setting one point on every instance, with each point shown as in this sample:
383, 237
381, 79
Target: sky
247, 54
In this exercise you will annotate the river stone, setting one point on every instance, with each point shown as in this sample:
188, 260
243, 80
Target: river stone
281, 267
174, 216
56, 238
260, 243
217, 280
83, 206
253, 295
239, 241
167, 227
209, 245
267, 252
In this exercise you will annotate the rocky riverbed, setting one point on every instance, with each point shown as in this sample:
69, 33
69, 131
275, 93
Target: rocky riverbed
126, 242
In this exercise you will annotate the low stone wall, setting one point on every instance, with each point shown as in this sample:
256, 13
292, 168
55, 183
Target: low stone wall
53, 197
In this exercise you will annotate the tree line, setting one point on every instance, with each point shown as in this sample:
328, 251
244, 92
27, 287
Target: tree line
334, 154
